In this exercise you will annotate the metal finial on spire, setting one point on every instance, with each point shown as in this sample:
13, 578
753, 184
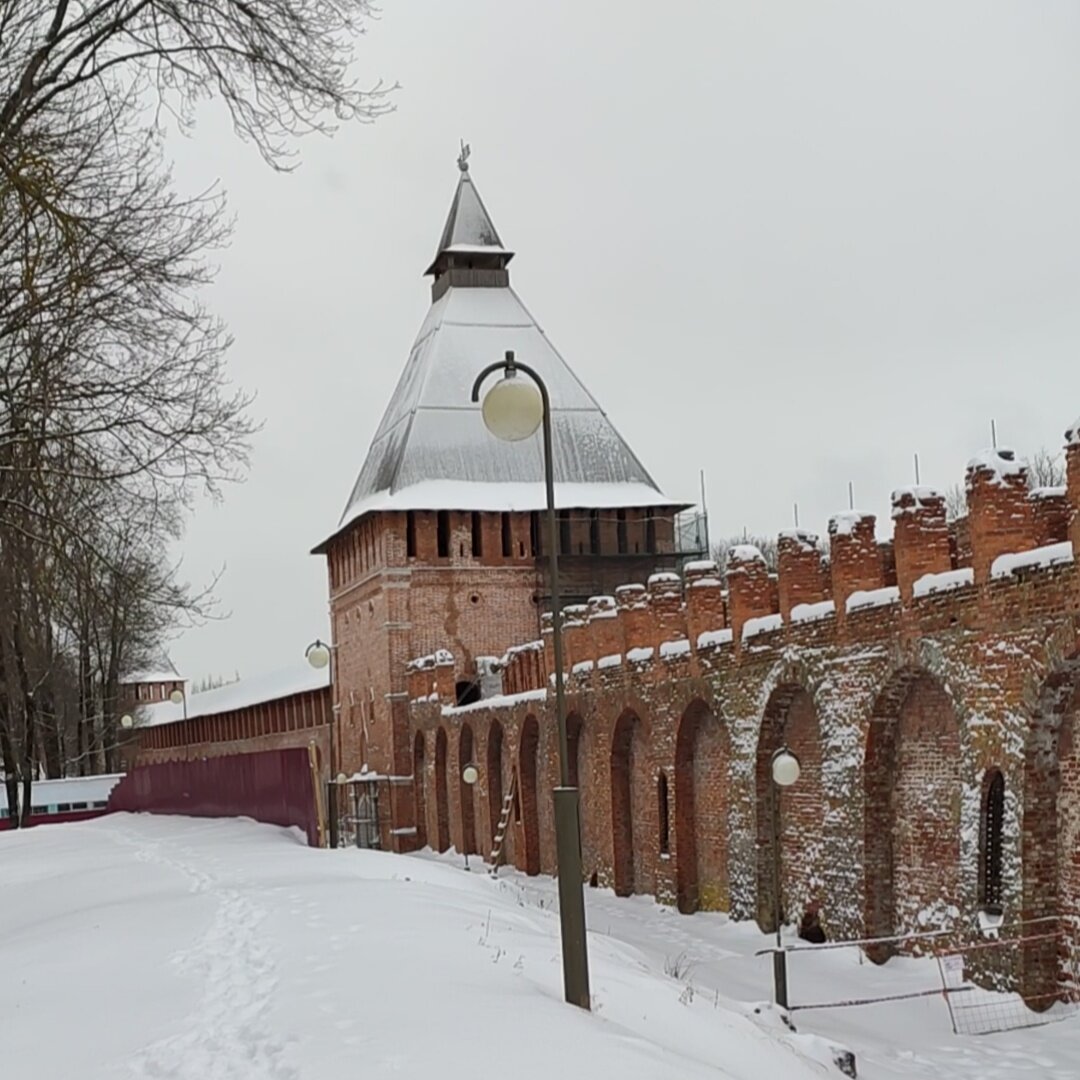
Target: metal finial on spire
463, 157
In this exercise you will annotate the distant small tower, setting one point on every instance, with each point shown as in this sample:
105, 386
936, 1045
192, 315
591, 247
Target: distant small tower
440, 544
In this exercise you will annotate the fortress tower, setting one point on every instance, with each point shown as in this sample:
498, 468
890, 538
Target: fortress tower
441, 542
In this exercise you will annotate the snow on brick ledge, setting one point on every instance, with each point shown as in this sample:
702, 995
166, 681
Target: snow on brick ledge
861, 599
671, 649
708, 638
1051, 555
744, 553
610, 661
1072, 436
807, 541
1000, 461
498, 701
602, 607
946, 581
919, 494
1049, 493
639, 656
844, 524
812, 612
762, 624
700, 566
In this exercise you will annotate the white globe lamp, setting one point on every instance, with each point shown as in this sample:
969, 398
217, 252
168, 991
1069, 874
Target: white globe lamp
177, 697
470, 774
513, 408
126, 721
785, 767
318, 655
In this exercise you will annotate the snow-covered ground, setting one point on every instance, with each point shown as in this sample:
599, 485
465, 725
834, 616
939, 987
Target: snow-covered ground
154, 947
896, 1040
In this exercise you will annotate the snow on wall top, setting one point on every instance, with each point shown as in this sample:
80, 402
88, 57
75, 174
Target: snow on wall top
1072, 436
297, 679
1041, 557
136, 677
1049, 492
945, 581
919, 496
806, 540
873, 598
70, 790
845, 523
1000, 461
700, 566
744, 553
432, 451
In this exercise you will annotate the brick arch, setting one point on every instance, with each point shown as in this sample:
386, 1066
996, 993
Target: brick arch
701, 809
790, 718
442, 801
495, 770
527, 782
1051, 832
418, 789
912, 783
466, 791
628, 802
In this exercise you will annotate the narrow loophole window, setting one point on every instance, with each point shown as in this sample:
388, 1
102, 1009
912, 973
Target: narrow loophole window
992, 827
507, 537
477, 536
534, 534
564, 532
443, 533
410, 534
662, 800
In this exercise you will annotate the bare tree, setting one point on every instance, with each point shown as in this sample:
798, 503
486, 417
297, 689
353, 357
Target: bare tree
115, 406
281, 67
1044, 470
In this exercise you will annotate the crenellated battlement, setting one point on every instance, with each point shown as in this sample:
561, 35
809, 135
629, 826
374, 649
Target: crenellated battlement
1013, 550
911, 677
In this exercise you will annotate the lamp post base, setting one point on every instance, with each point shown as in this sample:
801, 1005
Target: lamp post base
779, 967
332, 813
571, 897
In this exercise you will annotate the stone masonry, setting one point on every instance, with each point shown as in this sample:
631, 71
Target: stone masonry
905, 676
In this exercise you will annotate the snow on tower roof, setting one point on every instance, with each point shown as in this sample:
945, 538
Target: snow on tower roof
432, 451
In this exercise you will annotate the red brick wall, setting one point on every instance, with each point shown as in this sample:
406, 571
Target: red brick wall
926, 809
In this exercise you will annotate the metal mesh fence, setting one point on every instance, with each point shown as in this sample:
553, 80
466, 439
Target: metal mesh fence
1021, 975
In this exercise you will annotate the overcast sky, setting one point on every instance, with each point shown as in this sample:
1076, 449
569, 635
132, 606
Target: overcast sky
787, 243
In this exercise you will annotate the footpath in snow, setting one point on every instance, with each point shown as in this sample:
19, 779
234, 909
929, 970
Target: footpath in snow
154, 948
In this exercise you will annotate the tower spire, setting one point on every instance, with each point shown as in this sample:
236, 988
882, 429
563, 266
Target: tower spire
469, 238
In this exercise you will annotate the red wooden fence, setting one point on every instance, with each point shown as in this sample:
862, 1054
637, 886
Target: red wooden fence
274, 786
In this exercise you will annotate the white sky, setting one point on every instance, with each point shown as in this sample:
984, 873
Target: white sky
788, 243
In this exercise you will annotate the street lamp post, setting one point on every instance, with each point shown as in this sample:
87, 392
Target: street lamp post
785, 772
470, 774
513, 409
320, 655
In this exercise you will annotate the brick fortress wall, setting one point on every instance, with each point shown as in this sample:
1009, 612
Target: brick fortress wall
905, 675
